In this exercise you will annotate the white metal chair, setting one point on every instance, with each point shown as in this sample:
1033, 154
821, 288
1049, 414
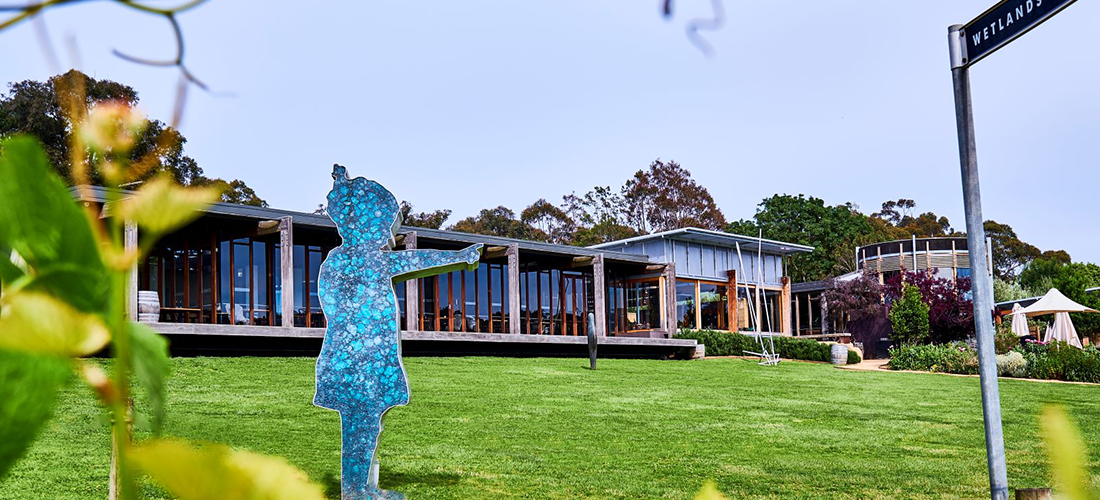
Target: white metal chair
768, 355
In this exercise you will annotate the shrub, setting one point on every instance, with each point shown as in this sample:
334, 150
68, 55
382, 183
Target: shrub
735, 344
909, 317
1004, 339
1061, 361
946, 358
950, 310
1011, 364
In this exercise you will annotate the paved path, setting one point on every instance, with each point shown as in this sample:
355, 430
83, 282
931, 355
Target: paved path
867, 365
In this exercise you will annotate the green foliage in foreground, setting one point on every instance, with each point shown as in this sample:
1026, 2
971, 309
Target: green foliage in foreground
735, 344
550, 428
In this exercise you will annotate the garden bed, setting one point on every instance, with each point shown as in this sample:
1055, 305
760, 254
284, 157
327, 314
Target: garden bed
1030, 360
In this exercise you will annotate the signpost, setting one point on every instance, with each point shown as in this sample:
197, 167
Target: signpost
1001, 24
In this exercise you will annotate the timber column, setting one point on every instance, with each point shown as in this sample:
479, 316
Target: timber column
785, 297
599, 290
412, 295
513, 288
286, 270
669, 275
731, 299
130, 243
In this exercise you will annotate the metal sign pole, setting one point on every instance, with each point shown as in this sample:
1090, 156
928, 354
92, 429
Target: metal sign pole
980, 286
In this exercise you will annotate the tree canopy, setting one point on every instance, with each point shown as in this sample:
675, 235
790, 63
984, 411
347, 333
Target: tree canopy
833, 231
44, 110
665, 197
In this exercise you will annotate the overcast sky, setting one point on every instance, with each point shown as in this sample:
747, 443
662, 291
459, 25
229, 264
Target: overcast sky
466, 105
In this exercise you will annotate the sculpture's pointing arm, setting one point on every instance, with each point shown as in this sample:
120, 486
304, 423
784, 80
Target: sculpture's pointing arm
408, 264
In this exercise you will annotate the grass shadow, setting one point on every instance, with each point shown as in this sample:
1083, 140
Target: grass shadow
391, 480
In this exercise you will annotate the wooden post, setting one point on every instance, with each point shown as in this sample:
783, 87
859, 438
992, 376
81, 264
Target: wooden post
412, 295
824, 314
927, 258
731, 299
599, 291
130, 242
669, 275
810, 311
881, 281
513, 288
785, 299
954, 263
286, 270
112, 485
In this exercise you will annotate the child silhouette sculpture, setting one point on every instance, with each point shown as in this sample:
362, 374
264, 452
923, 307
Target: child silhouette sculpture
359, 370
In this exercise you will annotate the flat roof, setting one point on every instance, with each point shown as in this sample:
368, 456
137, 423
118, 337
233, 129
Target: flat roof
697, 235
99, 194
530, 246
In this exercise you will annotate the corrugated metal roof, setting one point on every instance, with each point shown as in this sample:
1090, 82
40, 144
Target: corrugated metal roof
697, 235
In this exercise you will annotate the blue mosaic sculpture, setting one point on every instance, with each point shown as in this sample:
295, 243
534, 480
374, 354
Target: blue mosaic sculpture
359, 370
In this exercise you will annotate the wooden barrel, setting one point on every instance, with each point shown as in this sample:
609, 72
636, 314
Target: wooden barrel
839, 354
1033, 494
148, 306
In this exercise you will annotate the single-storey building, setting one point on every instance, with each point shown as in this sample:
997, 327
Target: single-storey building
241, 271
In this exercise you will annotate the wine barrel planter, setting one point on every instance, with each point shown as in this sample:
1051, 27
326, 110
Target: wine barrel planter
838, 354
148, 306
1033, 494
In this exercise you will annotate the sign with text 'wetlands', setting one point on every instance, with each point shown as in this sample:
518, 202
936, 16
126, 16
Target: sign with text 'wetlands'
1005, 22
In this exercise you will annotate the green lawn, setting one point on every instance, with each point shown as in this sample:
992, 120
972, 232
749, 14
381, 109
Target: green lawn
549, 428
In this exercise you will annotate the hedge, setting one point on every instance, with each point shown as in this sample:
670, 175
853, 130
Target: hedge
735, 344
956, 357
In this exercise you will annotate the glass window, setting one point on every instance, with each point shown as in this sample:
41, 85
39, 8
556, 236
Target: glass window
643, 299
712, 306
963, 272
194, 273
443, 281
770, 314
500, 297
207, 267
525, 301
746, 306
615, 310
242, 301
471, 301
316, 315
427, 303
399, 292
225, 285
178, 264
260, 308
300, 285
685, 304
277, 279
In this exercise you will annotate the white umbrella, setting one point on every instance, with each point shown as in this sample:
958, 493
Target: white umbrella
1019, 322
1060, 306
1053, 302
1063, 330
